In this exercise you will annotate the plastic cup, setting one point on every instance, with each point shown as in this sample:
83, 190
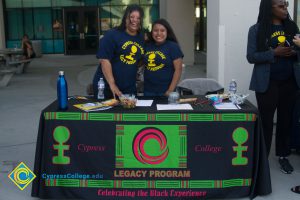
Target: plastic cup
173, 98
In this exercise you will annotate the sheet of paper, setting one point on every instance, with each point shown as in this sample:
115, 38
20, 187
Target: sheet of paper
226, 106
174, 107
144, 103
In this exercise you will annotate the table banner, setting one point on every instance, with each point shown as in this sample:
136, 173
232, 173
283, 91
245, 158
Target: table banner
145, 155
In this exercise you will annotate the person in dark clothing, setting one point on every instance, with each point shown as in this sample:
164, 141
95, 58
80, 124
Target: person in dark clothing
163, 60
120, 51
28, 51
275, 74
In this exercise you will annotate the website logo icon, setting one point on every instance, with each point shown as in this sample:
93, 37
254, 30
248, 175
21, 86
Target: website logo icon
21, 176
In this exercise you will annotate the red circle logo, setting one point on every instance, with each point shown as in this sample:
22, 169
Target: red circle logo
139, 146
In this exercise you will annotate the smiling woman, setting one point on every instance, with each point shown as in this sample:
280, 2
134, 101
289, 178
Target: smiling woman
163, 60
120, 51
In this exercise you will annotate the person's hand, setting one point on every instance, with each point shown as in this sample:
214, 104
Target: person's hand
167, 93
115, 90
283, 51
296, 40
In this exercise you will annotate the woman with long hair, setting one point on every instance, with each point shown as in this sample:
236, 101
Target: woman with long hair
163, 60
275, 74
120, 51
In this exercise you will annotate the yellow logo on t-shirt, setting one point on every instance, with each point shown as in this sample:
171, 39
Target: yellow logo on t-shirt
151, 60
280, 37
133, 51
130, 58
153, 56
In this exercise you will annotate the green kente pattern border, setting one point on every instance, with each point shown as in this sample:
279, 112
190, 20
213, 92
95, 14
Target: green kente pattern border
144, 184
144, 117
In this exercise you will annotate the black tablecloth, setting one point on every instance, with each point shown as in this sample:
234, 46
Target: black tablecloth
145, 153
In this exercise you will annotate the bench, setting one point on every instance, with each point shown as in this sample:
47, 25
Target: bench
5, 76
2, 60
20, 65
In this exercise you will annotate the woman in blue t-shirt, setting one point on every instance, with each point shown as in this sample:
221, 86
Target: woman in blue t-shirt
120, 51
163, 60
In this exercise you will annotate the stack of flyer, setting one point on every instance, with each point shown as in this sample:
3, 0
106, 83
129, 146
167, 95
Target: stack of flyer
95, 106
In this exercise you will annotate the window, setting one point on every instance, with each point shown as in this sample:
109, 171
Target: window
43, 19
200, 26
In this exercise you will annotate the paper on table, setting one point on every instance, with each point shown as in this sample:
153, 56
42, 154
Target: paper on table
226, 106
174, 107
144, 103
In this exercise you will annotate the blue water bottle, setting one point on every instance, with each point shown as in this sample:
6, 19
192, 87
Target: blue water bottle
62, 91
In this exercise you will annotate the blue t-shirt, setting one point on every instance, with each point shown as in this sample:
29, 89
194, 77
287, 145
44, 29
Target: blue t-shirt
159, 68
124, 52
282, 68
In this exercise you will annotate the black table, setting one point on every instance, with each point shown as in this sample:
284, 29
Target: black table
144, 153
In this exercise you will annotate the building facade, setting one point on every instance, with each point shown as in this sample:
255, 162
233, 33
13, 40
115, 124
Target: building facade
225, 44
74, 27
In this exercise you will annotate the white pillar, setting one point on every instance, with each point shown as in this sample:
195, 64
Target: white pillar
181, 16
228, 25
215, 61
2, 27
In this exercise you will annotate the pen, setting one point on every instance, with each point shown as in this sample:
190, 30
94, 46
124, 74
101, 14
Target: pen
238, 106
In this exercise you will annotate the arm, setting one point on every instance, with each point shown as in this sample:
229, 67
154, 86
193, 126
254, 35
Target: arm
107, 72
29, 49
28, 45
253, 56
176, 76
106, 52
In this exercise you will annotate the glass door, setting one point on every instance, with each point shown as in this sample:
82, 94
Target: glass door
81, 35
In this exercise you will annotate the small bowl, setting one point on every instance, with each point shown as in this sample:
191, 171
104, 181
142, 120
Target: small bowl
128, 101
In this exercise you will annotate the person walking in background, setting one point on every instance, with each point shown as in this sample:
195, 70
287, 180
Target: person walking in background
270, 49
163, 60
26, 45
120, 51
